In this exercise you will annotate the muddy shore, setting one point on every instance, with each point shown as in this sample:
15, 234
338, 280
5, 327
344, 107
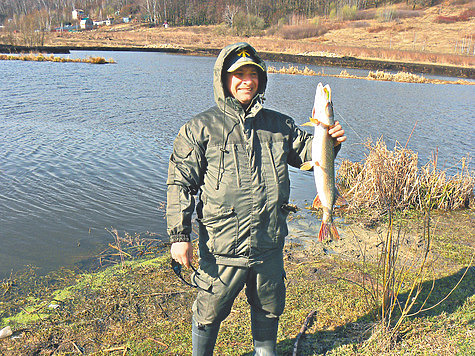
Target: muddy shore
343, 61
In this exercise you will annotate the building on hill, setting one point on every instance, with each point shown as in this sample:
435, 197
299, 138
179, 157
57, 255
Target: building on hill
86, 24
78, 14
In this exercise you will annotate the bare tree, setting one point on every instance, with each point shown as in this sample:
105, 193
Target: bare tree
229, 12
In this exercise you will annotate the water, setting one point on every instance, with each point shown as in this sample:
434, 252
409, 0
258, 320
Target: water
84, 148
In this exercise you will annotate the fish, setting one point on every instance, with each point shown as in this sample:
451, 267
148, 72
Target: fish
323, 162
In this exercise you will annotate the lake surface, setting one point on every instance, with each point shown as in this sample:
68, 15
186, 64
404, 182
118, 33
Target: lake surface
84, 148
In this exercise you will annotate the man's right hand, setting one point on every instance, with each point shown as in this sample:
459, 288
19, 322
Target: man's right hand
182, 252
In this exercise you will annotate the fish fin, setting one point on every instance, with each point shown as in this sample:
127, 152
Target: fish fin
306, 166
328, 230
328, 91
323, 232
339, 199
312, 122
317, 204
334, 232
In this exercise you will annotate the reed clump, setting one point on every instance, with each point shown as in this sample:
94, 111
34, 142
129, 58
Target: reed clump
391, 178
398, 77
40, 57
403, 77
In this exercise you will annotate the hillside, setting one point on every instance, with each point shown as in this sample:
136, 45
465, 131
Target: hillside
442, 34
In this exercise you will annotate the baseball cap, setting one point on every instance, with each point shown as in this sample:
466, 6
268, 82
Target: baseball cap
242, 58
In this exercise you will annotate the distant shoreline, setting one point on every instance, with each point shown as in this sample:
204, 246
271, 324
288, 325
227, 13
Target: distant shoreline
344, 61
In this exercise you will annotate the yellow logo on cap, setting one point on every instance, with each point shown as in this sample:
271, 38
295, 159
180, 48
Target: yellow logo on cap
243, 53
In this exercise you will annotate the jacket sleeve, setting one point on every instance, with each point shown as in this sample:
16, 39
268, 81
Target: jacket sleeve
301, 146
185, 172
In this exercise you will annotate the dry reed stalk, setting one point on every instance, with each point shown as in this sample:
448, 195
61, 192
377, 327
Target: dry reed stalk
387, 178
392, 179
440, 192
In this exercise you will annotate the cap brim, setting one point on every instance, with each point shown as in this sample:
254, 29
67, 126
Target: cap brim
239, 64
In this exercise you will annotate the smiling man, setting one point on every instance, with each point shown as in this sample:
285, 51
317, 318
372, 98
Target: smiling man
242, 77
235, 157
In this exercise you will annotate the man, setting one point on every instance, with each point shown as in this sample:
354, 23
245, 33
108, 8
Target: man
236, 156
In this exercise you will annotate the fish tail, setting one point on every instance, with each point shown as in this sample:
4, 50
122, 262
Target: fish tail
328, 230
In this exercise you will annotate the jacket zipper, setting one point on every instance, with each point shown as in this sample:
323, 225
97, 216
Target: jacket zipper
238, 177
274, 168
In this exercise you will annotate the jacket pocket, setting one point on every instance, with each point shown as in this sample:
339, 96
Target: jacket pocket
202, 280
222, 228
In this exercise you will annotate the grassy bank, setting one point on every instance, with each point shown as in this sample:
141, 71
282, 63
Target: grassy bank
140, 307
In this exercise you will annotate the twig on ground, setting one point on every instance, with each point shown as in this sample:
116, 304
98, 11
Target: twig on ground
308, 322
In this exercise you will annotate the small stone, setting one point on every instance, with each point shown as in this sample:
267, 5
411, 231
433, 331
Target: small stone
5, 332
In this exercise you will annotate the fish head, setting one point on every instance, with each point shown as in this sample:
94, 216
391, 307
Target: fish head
322, 106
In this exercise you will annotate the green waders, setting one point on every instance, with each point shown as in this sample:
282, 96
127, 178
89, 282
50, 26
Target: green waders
265, 291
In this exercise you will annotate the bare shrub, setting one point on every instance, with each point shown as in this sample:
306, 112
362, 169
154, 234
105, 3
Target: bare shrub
404, 14
360, 24
365, 14
464, 16
348, 12
247, 25
376, 29
445, 19
302, 31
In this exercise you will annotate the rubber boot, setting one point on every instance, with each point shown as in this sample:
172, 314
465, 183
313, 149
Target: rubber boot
264, 333
203, 338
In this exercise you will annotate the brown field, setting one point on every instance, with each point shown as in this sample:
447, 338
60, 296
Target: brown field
427, 38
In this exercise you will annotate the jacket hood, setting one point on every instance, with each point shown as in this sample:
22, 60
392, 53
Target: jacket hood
218, 75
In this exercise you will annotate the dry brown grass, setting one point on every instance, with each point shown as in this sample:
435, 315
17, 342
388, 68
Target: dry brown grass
403, 77
40, 57
398, 77
391, 179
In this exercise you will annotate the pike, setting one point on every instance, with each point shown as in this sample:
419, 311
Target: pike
323, 157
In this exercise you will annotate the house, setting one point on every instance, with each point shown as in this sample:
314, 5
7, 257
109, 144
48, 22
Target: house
125, 19
86, 24
78, 14
66, 27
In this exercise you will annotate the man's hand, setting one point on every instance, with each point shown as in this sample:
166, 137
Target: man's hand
182, 252
337, 133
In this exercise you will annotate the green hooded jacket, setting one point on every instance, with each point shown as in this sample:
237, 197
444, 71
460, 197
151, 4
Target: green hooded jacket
236, 161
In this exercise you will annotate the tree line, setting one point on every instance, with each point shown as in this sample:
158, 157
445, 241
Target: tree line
43, 14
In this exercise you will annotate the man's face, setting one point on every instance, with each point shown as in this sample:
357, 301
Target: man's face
243, 83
